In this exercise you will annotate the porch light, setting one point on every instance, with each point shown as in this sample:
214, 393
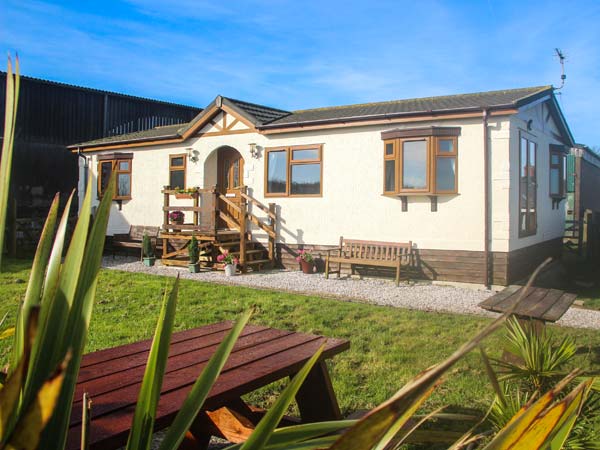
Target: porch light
192, 154
254, 150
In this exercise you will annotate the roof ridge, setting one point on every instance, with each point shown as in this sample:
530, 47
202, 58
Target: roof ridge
388, 102
257, 104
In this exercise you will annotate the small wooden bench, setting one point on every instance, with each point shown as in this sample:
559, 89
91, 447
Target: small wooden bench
133, 239
369, 253
539, 305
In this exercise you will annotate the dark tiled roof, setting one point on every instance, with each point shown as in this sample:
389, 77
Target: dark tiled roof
264, 117
492, 99
169, 131
262, 114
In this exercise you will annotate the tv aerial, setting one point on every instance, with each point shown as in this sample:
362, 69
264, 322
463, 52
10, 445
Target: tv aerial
561, 59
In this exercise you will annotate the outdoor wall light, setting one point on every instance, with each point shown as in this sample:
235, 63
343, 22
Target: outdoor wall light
254, 150
192, 154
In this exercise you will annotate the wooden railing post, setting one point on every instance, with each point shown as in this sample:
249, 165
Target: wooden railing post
165, 219
243, 216
272, 237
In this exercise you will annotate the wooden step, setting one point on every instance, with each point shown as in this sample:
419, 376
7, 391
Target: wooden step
248, 252
229, 244
258, 261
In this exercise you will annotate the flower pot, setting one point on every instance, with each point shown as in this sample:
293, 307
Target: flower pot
229, 270
177, 222
194, 268
307, 266
149, 261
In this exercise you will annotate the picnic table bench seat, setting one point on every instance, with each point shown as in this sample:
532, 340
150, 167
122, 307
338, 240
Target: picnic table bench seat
133, 238
262, 355
369, 253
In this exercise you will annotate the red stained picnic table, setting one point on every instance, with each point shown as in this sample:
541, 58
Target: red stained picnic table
262, 355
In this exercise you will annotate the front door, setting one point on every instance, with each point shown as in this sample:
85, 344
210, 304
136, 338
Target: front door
229, 180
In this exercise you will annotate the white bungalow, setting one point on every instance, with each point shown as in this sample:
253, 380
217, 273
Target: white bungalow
475, 181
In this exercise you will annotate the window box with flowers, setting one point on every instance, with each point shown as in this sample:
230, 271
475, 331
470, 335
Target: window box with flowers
187, 193
306, 260
229, 263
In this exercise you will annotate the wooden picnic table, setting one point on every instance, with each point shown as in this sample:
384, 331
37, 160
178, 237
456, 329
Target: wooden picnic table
539, 305
262, 355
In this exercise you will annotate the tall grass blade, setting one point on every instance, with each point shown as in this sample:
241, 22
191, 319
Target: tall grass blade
81, 304
269, 422
372, 428
52, 316
12, 100
140, 435
195, 399
33, 294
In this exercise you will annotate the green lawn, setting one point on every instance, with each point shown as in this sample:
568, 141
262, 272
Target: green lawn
388, 345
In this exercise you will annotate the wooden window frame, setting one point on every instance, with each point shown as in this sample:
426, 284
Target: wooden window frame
530, 230
562, 181
432, 137
290, 162
115, 159
178, 168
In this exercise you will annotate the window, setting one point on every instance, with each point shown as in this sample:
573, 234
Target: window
420, 161
294, 171
558, 163
527, 187
120, 163
177, 165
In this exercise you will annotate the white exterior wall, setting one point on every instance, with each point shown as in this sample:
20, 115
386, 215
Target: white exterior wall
550, 222
352, 204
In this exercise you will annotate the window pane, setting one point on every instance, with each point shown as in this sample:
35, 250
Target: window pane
124, 165
414, 165
445, 174
299, 155
446, 145
554, 181
523, 157
123, 185
226, 174
236, 173
390, 176
532, 154
306, 179
177, 161
554, 159
177, 179
389, 149
277, 172
105, 171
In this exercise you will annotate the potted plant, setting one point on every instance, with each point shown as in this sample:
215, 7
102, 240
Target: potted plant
187, 193
306, 261
176, 217
229, 261
148, 251
194, 254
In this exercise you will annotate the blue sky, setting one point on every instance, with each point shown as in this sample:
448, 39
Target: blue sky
302, 54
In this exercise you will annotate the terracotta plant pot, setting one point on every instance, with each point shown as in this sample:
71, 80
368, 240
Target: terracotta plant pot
307, 266
229, 270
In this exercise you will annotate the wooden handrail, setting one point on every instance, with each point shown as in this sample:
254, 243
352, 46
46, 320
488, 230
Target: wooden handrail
267, 229
259, 205
232, 205
230, 220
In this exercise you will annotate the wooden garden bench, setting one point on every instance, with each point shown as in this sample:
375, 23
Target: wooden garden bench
133, 239
369, 253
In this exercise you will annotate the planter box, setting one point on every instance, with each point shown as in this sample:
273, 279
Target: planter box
186, 195
149, 262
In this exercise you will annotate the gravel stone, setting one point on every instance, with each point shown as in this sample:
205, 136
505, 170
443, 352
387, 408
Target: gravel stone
418, 295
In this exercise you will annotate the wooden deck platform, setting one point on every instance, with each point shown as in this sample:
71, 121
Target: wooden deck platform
545, 305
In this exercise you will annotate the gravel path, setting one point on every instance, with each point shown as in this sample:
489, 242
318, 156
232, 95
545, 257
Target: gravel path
420, 296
